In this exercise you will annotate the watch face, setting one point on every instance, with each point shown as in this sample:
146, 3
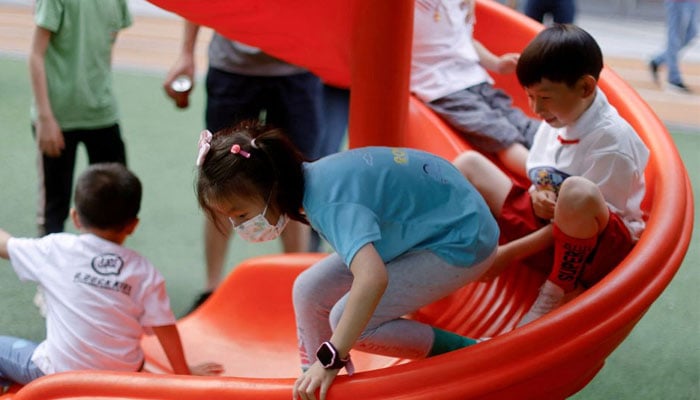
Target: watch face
326, 355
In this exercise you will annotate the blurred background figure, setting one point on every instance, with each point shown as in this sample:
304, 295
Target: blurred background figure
681, 29
559, 11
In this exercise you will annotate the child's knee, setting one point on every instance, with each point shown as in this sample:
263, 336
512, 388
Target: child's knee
302, 289
579, 194
468, 162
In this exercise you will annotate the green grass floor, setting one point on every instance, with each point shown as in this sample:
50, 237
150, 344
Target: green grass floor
659, 360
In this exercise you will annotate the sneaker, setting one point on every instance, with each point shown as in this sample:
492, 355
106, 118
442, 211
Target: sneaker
550, 297
654, 69
199, 300
679, 87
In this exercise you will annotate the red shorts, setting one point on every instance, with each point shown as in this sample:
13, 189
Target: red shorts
518, 219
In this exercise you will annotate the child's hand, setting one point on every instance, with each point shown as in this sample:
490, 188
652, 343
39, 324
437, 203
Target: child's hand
543, 202
507, 63
49, 136
207, 369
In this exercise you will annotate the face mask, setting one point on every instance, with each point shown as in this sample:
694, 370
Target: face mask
257, 229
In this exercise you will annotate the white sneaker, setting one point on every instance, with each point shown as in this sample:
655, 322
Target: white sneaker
550, 297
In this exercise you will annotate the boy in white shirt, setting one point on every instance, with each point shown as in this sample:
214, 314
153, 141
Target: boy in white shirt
449, 73
100, 296
586, 166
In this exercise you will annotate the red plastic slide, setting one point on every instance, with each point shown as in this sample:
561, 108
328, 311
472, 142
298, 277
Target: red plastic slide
248, 323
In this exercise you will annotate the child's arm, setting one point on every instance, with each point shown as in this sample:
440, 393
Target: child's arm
519, 249
169, 339
504, 64
4, 237
48, 132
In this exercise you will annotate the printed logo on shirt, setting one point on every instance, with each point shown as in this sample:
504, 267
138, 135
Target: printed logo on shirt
102, 283
400, 156
107, 264
547, 178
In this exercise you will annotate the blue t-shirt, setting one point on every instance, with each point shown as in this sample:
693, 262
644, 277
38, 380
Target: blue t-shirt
399, 200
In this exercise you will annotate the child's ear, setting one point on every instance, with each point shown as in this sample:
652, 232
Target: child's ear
588, 85
74, 217
131, 226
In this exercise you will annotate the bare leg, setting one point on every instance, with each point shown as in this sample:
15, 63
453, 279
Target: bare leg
579, 216
514, 159
493, 184
215, 246
581, 211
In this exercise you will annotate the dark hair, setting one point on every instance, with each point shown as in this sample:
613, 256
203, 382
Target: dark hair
560, 53
107, 196
273, 169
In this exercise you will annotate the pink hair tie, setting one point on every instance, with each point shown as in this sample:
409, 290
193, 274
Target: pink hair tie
204, 146
236, 149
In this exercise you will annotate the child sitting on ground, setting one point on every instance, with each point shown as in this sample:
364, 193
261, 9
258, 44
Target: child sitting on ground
586, 166
100, 296
449, 74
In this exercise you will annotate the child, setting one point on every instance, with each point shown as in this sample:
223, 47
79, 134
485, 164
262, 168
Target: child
100, 296
406, 226
70, 68
586, 166
449, 74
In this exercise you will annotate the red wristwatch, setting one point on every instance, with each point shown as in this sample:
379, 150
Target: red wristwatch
329, 358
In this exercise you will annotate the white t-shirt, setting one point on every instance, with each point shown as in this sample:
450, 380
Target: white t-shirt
99, 296
444, 58
601, 147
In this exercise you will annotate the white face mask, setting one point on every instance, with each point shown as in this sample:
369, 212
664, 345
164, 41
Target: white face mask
257, 229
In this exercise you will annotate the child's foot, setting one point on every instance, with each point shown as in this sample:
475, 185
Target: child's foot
549, 299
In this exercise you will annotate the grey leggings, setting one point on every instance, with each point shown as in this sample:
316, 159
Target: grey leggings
415, 280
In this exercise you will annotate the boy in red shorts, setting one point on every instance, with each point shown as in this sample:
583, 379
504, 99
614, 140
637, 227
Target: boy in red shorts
586, 168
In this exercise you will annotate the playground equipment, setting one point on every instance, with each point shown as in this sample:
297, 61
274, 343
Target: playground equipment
248, 323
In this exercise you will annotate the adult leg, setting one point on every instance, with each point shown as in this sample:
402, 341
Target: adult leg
535, 10
686, 31
299, 110
55, 186
416, 279
298, 107
564, 11
15, 360
673, 39
336, 103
